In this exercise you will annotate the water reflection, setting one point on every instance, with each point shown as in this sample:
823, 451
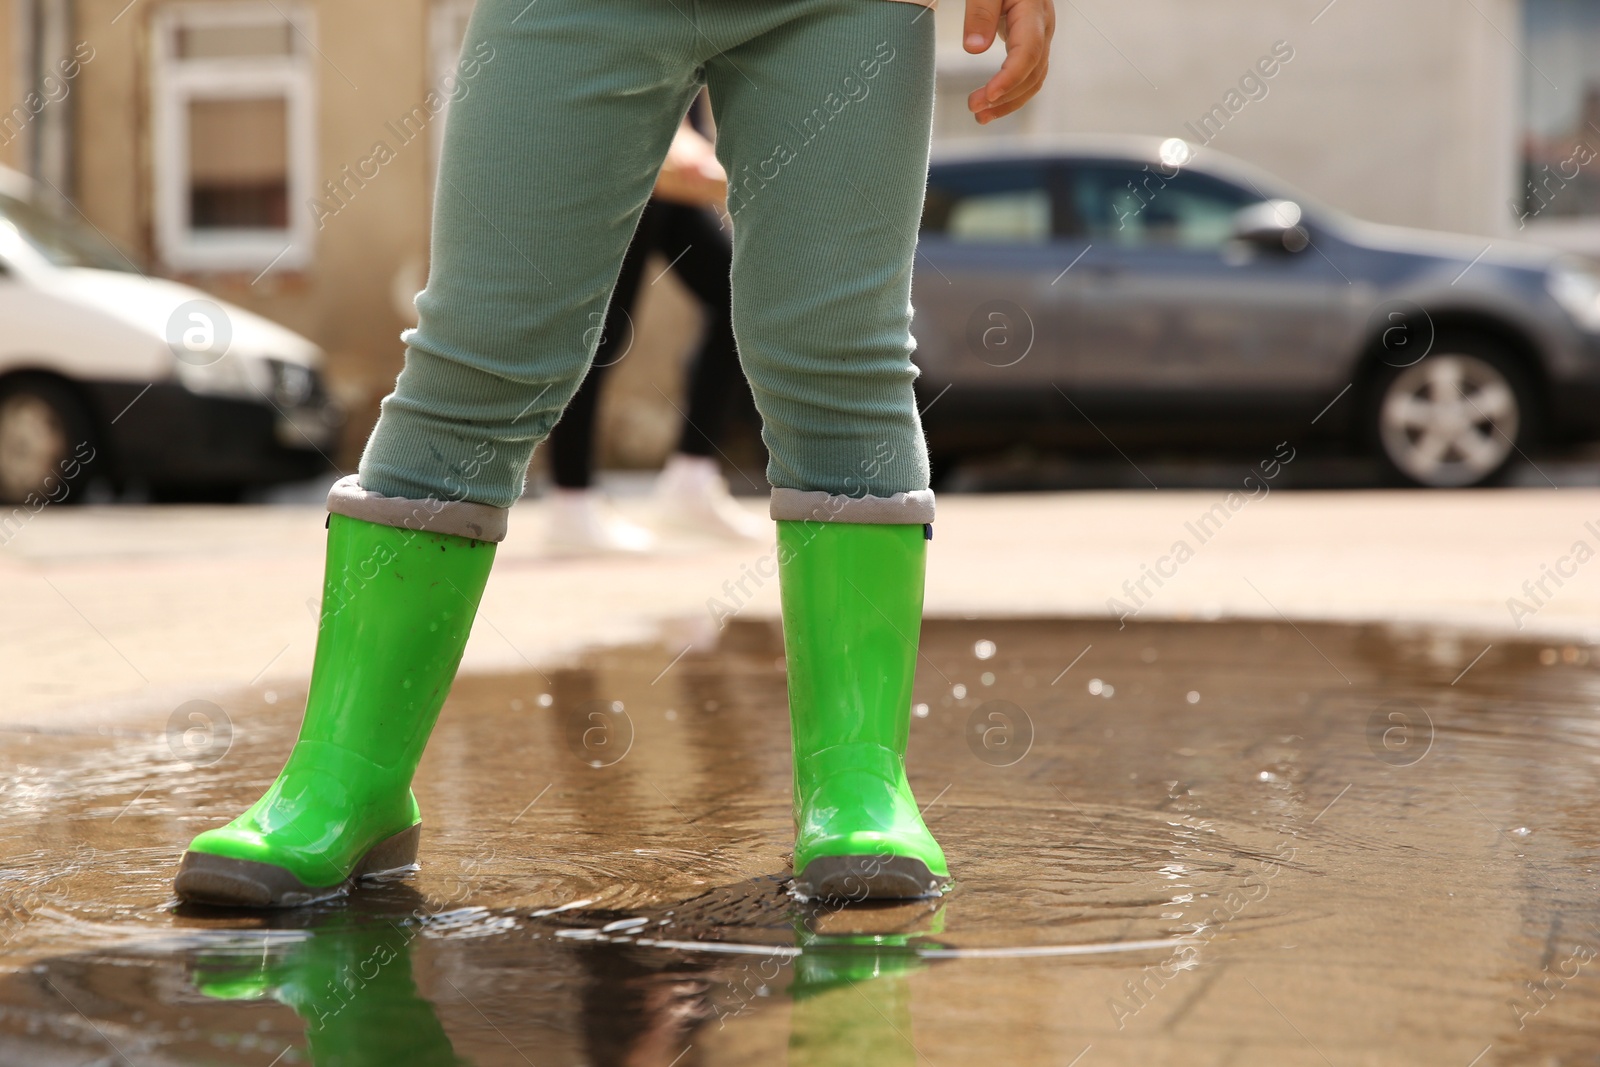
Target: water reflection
349, 981
852, 991
846, 974
1226, 842
349, 977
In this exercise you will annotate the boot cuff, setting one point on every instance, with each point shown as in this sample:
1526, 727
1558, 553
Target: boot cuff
481, 522
910, 509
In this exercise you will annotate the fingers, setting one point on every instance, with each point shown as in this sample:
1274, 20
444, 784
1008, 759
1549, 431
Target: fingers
1022, 67
982, 22
986, 111
1031, 24
1000, 111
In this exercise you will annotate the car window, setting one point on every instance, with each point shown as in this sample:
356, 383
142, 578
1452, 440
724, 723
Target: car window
995, 203
1135, 205
61, 241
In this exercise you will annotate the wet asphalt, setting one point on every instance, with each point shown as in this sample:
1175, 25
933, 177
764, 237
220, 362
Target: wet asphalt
1173, 843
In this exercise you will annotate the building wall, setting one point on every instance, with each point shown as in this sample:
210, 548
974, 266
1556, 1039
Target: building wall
12, 88
1400, 113
345, 299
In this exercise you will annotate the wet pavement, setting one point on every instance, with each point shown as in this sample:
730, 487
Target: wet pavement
1174, 843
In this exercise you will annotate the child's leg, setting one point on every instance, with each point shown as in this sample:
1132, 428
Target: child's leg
823, 124
823, 119
548, 161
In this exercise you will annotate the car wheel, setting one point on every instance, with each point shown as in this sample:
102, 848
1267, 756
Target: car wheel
46, 445
1453, 419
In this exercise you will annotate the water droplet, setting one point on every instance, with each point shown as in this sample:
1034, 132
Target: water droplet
987, 678
958, 691
1095, 685
920, 711
270, 696
1193, 697
984, 649
545, 700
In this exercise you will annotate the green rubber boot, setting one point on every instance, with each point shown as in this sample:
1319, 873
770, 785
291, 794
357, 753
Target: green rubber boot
397, 606
852, 612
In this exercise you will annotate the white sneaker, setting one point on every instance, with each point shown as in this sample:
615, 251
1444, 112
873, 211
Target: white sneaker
692, 495
582, 522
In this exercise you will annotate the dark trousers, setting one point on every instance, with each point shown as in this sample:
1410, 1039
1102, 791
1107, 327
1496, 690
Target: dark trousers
700, 253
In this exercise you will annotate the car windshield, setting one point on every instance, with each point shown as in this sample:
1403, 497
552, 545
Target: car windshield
64, 243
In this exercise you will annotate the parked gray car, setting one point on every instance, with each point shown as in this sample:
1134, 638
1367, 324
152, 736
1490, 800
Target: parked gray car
1134, 293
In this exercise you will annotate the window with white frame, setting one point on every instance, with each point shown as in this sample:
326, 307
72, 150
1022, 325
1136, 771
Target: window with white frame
1560, 111
234, 133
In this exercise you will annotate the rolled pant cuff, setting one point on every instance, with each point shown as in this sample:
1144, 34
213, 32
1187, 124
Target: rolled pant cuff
481, 522
909, 509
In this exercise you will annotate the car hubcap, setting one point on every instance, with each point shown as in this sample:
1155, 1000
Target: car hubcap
33, 442
1449, 420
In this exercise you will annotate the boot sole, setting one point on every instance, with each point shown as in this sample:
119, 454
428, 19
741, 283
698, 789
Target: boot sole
231, 883
853, 878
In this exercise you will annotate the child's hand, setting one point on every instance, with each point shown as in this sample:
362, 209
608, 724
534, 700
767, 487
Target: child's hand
1029, 25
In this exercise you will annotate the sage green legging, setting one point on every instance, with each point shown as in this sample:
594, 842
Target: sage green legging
823, 111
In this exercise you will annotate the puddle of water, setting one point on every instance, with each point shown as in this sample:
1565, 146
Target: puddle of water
1174, 843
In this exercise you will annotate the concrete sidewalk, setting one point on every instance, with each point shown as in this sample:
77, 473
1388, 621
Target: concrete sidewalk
139, 608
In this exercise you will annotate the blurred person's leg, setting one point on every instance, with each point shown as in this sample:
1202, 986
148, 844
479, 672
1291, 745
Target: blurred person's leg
823, 125
692, 493
580, 520
547, 164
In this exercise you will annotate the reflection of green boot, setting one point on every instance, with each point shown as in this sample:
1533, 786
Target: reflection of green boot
353, 989
397, 606
830, 961
852, 611
852, 1001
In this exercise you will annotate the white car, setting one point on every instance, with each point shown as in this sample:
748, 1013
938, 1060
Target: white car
109, 374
